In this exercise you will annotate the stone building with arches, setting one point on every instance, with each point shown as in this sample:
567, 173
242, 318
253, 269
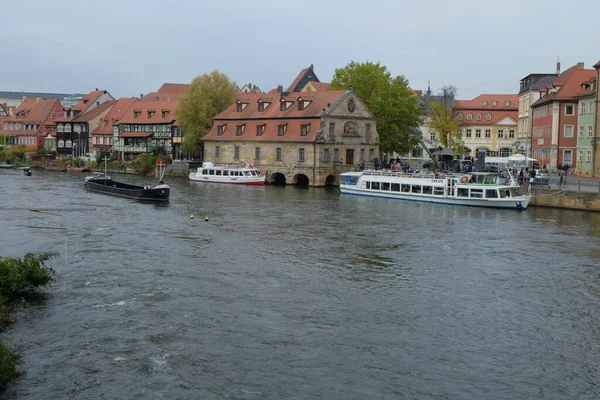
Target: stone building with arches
299, 138
489, 123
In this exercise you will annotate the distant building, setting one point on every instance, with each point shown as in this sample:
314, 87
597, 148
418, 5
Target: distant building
489, 123
294, 137
250, 88
73, 131
586, 121
14, 99
168, 92
555, 118
28, 123
108, 128
529, 92
313, 86
596, 138
145, 127
305, 76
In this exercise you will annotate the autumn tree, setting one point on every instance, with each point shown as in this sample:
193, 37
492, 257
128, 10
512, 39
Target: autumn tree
208, 95
441, 119
389, 98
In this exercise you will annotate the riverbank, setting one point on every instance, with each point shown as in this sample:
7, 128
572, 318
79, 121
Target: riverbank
565, 199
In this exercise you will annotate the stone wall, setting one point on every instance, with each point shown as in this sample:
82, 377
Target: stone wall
585, 201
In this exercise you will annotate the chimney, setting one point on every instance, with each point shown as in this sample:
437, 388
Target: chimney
96, 89
279, 89
580, 64
557, 66
141, 95
24, 98
37, 99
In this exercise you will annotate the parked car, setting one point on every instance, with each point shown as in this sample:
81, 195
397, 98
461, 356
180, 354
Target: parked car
541, 178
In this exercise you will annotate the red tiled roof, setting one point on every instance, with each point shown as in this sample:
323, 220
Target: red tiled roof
180, 88
570, 84
88, 116
320, 86
135, 134
488, 99
115, 114
88, 100
494, 118
597, 65
30, 111
298, 79
272, 117
157, 106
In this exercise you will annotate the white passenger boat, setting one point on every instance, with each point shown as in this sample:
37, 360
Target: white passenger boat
479, 189
236, 175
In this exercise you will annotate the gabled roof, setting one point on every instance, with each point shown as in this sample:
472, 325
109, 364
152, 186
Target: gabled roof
272, 117
142, 107
31, 111
90, 115
318, 86
489, 102
180, 88
114, 116
305, 76
569, 83
88, 100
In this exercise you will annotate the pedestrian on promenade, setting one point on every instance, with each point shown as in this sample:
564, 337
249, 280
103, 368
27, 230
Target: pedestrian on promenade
561, 178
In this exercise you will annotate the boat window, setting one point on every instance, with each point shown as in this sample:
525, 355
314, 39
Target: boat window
204, 172
211, 172
246, 173
406, 188
416, 189
351, 180
375, 185
226, 173
427, 190
438, 190
219, 172
477, 193
385, 186
463, 192
395, 187
368, 185
504, 193
491, 194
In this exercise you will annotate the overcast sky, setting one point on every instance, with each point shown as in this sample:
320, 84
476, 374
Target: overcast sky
131, 47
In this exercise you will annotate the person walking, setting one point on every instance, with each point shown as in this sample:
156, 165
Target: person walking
561, 178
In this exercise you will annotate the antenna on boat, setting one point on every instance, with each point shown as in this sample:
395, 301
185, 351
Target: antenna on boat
160, 172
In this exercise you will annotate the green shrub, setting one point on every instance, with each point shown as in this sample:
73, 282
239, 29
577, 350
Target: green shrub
144, 164
9, 362
78, 162
21, 275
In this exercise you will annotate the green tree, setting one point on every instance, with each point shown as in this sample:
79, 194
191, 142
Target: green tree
144, 164
389, 98
442, 121
209, 95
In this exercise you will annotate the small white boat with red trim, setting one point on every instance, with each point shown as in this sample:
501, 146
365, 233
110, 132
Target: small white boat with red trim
236, 175
477, 189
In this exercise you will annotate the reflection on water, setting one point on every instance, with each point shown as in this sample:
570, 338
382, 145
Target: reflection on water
302, 293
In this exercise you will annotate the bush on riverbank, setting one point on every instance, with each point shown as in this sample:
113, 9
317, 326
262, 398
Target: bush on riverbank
17, 277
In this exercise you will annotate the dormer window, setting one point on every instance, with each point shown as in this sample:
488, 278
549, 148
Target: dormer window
304, 129
494, 103
459, 116
136, 113
239, 129
488, 117
260, 129
281, 130
85, 101
261, 106
469, 116
239, 106
150, 113
478, 117
282, 105
221, 129
164, 113
300, 104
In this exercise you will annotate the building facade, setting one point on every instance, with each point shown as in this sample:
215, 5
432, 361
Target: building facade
295, 137
586, 128
555, 119
596, 138
146, 127
529, 93
102, 135
489, 124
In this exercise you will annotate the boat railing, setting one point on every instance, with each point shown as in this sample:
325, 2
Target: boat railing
403, 174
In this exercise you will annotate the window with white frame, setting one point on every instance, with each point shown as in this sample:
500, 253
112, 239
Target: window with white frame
500, 133
582, 107
469, 133
488, 117
590, 131
478, 133
301, 154
580, 156
588, 156
569, 109
581, 130
568, 130
278, 154
591, 107
567, 157
478, 116
326, 156
511, 134
488, 133
469, 116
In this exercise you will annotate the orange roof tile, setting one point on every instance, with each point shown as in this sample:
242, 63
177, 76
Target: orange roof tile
570, 84
115, 114
88, 100
31, 111
143, 107
489, 102
180, 88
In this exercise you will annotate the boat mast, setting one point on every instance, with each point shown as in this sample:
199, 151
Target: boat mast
105, 167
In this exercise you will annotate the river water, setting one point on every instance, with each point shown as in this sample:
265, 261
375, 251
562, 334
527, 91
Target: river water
289, 293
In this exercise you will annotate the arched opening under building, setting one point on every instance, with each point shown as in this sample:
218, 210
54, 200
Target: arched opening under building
301, 180
330, 180
277, 179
